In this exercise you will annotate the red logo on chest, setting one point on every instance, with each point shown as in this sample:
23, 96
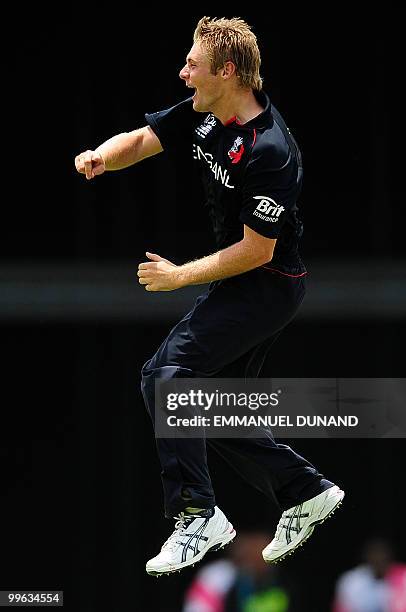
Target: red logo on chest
236, 151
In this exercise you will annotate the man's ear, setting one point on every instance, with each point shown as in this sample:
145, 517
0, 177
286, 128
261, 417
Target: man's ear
228, 70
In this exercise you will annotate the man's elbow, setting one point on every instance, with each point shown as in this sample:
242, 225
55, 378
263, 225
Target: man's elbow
265, 256
262, 254
259, 248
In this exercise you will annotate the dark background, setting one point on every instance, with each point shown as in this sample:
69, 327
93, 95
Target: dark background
81, 500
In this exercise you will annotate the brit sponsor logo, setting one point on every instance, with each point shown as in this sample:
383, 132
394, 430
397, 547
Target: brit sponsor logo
206, 127
236, 151
220, 174
267, 209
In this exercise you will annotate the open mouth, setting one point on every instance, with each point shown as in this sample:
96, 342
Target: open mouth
194, 94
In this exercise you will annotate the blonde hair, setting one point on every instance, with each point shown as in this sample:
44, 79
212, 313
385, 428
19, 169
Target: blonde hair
231, 40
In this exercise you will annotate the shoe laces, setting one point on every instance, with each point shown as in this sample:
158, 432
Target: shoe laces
182, 522
291, 520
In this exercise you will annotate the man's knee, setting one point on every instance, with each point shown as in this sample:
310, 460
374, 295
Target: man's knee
146, 367
149, 372
156, 370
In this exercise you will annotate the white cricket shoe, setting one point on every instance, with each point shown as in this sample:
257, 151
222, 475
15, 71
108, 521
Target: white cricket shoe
194, 536
298, 523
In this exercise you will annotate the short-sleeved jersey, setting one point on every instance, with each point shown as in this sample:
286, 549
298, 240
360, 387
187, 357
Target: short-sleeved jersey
252, 174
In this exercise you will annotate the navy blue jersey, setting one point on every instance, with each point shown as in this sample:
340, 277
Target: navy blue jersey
252, 173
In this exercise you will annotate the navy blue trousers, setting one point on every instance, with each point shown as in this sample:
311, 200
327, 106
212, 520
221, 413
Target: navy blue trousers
229, 333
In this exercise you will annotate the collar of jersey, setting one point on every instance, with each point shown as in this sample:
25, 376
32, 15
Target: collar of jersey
260, 120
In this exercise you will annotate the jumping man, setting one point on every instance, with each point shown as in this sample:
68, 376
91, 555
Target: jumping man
251, 169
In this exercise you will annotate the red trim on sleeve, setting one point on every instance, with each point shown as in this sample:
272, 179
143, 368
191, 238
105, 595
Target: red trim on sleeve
284, 273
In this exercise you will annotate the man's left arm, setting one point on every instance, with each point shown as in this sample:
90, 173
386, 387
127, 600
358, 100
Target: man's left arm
252, 251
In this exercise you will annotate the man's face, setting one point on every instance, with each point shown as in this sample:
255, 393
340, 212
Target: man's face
197, 74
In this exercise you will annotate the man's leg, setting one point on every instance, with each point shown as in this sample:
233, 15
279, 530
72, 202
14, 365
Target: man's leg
305, 496
201, 526
185, 475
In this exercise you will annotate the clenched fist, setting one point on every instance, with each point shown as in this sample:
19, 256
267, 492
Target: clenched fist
90, 163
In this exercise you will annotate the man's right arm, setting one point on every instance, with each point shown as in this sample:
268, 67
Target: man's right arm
119, 152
